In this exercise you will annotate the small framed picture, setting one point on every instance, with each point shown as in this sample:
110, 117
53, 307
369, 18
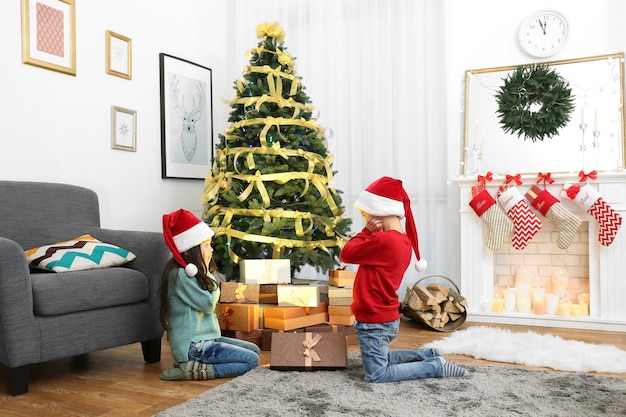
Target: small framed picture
49, 34
123, 129
119, 61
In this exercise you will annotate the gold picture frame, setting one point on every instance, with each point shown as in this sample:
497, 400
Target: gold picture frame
49, 34
119, 60
123, 129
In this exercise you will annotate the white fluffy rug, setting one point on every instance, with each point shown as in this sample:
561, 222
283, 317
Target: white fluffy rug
533, 349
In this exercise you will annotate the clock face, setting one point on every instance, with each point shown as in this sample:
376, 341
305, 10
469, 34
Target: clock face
543, 34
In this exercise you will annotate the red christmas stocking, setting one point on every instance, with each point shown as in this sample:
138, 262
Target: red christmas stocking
590, 200
499, 224
565, 221
525, 221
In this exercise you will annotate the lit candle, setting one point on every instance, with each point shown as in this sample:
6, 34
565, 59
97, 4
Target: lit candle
538, 293
509, 299
575, 310
564, 309
552, 301
498, 304
583, 300
523, 305
539, 306
560, 282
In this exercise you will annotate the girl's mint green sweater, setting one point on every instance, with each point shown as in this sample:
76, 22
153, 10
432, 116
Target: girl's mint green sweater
192, 315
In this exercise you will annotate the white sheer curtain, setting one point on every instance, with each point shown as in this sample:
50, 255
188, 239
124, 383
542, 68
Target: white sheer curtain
375, 71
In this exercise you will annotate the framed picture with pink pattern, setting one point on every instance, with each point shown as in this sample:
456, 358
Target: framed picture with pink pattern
49, 34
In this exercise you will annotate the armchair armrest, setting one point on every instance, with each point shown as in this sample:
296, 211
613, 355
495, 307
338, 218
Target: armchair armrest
17, 320
150, 250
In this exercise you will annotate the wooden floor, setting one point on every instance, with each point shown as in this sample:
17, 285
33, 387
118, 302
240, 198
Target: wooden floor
116, 382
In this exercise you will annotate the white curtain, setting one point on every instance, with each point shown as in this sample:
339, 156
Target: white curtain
375, 71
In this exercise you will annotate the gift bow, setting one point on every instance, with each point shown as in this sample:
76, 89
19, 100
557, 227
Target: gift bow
239, 292
584, 177
487, 177
309, 343
547, 177
227, 319
517, 178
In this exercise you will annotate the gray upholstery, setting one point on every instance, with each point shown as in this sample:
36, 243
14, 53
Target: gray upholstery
46, 316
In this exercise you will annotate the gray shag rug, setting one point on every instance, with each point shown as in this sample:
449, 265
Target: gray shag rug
490, 391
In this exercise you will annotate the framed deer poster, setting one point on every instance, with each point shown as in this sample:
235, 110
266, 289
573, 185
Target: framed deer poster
186, 118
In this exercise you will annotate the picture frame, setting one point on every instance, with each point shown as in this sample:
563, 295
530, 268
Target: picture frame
49, 34
186, 118
118, 55
123, 129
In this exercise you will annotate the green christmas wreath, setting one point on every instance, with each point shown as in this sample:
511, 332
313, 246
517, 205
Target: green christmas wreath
535, 101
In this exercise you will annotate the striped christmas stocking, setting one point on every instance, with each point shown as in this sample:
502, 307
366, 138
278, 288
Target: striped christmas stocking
565, 221
590, 200
525, 221
499, 224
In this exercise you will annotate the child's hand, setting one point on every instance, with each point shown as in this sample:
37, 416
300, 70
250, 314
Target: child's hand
374, 224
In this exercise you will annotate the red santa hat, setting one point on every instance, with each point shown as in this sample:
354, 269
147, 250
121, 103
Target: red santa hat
386, 197
182, 230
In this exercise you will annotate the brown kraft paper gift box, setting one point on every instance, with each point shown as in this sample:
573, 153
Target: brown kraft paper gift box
240, 293
341, 277
308, 351
268, 294
349, 331
244, 317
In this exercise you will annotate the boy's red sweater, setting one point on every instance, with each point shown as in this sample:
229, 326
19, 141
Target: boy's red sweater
383, 257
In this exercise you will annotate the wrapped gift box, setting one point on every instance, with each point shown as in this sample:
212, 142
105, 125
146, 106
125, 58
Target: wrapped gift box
338, 319
341, 277
255, 336
298, 295
268, 294
244, 317
339, 296
308, 351
265, 271
238, 292
289, 318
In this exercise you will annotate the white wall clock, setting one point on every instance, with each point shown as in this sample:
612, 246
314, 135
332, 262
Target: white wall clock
543, 33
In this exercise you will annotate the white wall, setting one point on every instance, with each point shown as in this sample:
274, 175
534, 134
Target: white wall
56, 127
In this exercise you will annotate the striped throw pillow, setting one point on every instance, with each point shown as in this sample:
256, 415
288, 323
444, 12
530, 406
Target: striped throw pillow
83, 252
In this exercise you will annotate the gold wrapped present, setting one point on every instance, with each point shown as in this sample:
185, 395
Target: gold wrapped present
341, 277
240, 293
289, 318
339, 296
265, 271
298, 295
244, 317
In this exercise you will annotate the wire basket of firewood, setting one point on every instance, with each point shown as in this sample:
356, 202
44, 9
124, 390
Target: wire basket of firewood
436, 301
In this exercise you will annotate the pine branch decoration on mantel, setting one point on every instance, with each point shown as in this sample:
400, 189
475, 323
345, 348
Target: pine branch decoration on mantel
534, 102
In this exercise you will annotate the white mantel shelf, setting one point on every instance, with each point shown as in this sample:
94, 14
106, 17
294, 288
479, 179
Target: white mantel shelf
607, 265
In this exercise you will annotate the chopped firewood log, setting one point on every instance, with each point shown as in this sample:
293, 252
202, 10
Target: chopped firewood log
424, 295
439, 287
435, 304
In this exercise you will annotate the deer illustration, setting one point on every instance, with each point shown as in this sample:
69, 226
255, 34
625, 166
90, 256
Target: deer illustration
188, 137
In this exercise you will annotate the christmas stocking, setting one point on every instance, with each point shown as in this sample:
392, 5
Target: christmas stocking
565, 221
499, 224
590, 200
525, 221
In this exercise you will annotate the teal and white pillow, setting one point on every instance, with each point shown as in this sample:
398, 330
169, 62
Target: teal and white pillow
83, 252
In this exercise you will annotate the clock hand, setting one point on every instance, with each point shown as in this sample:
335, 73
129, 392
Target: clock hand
543, 25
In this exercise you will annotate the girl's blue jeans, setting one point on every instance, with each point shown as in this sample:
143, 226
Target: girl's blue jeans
383, 365
229, 357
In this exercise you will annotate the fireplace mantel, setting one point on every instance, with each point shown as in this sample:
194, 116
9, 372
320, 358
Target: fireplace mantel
607, 279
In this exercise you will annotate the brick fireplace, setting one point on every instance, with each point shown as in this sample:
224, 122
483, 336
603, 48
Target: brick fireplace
597, 274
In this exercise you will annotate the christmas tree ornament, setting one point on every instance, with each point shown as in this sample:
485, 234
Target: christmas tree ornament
485, 207
566, 223
590, 200
525, 221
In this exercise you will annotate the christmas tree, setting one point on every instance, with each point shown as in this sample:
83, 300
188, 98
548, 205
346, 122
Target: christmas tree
270, 192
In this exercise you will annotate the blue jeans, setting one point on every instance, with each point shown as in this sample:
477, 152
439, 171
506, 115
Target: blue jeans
229, 357
383, 365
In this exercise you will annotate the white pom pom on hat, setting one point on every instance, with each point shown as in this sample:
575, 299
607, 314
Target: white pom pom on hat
386, 197
182, 230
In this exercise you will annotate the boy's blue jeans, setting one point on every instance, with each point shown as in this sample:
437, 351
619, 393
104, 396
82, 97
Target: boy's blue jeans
229, 356
383, 365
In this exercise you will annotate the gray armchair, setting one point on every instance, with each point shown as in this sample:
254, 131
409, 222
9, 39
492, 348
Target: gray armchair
45, 315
